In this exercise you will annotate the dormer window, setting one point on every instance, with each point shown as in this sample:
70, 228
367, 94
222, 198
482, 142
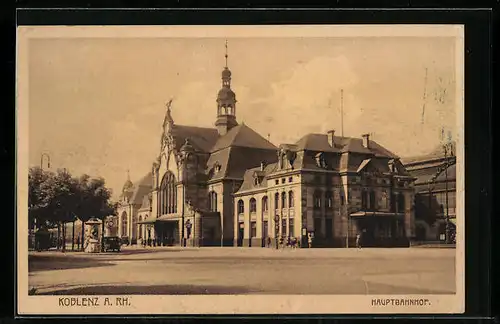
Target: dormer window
217, 167
320, 160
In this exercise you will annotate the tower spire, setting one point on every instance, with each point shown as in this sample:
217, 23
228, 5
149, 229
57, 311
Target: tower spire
226, 54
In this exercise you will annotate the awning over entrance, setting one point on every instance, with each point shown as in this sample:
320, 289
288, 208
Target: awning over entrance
375, 213
148, 221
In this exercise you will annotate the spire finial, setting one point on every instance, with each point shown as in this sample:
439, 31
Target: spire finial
128, 174
226, 53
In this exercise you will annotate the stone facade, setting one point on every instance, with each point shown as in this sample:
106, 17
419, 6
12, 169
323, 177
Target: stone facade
229, 186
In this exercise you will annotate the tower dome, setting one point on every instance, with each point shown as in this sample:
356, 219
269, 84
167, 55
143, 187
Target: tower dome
128, 185
226, 73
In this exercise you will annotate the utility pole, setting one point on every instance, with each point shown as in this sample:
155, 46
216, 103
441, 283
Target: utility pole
424, 98
342, 112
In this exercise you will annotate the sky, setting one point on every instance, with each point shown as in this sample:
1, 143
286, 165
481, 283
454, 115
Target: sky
96, 105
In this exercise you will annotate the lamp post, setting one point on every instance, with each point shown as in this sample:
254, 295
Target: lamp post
276, 229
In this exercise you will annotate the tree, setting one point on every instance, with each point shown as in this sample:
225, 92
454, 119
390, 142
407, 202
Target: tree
94, 201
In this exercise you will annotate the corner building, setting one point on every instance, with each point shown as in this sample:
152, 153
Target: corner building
230, 186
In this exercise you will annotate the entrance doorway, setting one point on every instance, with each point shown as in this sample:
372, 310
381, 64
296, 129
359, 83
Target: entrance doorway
167, 233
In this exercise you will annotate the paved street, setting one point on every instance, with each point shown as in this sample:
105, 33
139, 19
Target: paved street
244, 271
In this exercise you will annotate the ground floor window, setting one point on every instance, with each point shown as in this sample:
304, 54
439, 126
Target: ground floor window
290, 227
253, 229
283, 227
265, 229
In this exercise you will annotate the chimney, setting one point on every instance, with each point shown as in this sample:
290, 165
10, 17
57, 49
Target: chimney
331, 134
366, 140
261, 166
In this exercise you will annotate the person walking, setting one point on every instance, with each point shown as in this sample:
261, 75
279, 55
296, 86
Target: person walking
309, 240
358, 240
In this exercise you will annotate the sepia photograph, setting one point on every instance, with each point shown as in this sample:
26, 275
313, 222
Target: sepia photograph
240, 169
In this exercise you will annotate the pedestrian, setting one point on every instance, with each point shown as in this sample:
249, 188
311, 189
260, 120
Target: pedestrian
78, 242
358, 240
309, 240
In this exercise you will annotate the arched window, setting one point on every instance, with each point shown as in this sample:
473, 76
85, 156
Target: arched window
373, 205
124, 224
276, 200
241, 207
401, 203
212, 201
167, 195
328, 199
253, 205
317, 199
283, 200
264, 204
384, 201
291, 201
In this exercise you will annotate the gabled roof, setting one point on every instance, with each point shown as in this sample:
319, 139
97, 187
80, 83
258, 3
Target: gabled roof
201, 138
242, 136
235, 160
319, 142
249, 176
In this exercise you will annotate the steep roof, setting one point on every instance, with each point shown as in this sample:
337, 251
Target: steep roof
201, 138
242, 136
235, 160
141, 189
436, 153
319, 142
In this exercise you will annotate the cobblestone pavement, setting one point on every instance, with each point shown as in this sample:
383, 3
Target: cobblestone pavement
244, 271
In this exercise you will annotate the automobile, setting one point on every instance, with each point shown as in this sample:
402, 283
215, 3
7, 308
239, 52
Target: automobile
112, 243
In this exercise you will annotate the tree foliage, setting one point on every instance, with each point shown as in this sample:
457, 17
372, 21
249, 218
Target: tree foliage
58, 198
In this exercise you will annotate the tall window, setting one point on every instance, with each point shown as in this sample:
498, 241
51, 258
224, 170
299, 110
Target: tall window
364, 200
393, 203
384, 200
372, 200
291, 227
291, 201
167, 195
276, 201
241, 207
283, 200
329, 199
264, 204
283, 227
253, 229
401, 203
317, 199
212, 201
342, 199
124, 224
265, 229
253, 205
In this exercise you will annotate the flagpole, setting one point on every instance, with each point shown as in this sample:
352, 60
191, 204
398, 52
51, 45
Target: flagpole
342, 112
